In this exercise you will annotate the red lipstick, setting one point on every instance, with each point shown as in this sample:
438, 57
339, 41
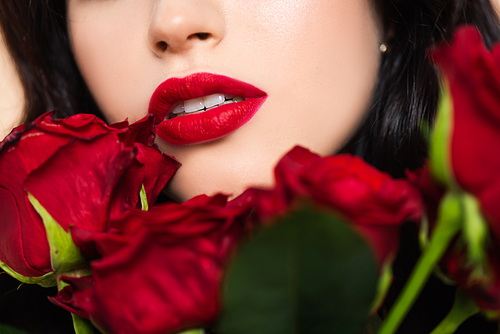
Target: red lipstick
207, 125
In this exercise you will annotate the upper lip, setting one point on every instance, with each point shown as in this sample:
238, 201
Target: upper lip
197, 85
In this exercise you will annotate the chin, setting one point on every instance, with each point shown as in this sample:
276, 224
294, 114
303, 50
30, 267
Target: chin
187, 184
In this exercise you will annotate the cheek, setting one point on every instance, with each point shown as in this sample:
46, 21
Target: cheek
318, 61
110, 45
11, 93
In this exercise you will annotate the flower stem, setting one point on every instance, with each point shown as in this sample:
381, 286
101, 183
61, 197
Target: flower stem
447, 226
462, 309
82, 325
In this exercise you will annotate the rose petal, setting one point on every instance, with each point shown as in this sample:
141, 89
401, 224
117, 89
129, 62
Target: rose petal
170, 260
94, 169
150, 168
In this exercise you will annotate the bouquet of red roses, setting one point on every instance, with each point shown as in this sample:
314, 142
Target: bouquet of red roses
80, 214
312, 254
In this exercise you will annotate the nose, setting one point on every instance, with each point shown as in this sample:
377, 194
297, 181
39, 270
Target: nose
180, 25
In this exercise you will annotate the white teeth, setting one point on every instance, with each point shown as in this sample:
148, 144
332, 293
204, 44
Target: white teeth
179, 108
193, 105
203, 103
213, 100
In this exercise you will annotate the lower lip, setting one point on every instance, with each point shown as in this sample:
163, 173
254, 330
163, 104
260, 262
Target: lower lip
208, 125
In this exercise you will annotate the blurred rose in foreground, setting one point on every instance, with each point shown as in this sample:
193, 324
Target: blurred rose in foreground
161, 270
465, 163
371, 201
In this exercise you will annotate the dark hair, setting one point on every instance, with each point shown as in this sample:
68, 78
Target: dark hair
390, 138
36, 36
407, 90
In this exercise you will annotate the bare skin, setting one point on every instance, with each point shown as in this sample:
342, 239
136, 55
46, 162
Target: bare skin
496, 5
11, 93
316, 59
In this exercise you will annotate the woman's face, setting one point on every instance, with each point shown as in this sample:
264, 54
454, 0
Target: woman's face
308, 69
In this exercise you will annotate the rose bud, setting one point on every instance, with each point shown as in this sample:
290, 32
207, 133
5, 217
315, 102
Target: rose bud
464, 165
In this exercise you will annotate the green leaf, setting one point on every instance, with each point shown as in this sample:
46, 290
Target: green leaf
440, 145
475, 233
64, 254
194, 331
48, 280
423, 233
5, 329
309, 273
425, 129
384, 283
144, 199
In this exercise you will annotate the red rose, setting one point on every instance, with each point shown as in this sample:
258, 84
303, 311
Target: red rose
160, 270
74, 168
473, 75
472, 162
372, 201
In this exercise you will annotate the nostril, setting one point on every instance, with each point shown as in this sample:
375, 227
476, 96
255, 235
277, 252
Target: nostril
162, 45
202, 35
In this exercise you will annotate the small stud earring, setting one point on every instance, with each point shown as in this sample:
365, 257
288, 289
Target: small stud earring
383, 48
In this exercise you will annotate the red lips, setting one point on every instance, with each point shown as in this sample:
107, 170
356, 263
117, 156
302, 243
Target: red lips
208, 125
